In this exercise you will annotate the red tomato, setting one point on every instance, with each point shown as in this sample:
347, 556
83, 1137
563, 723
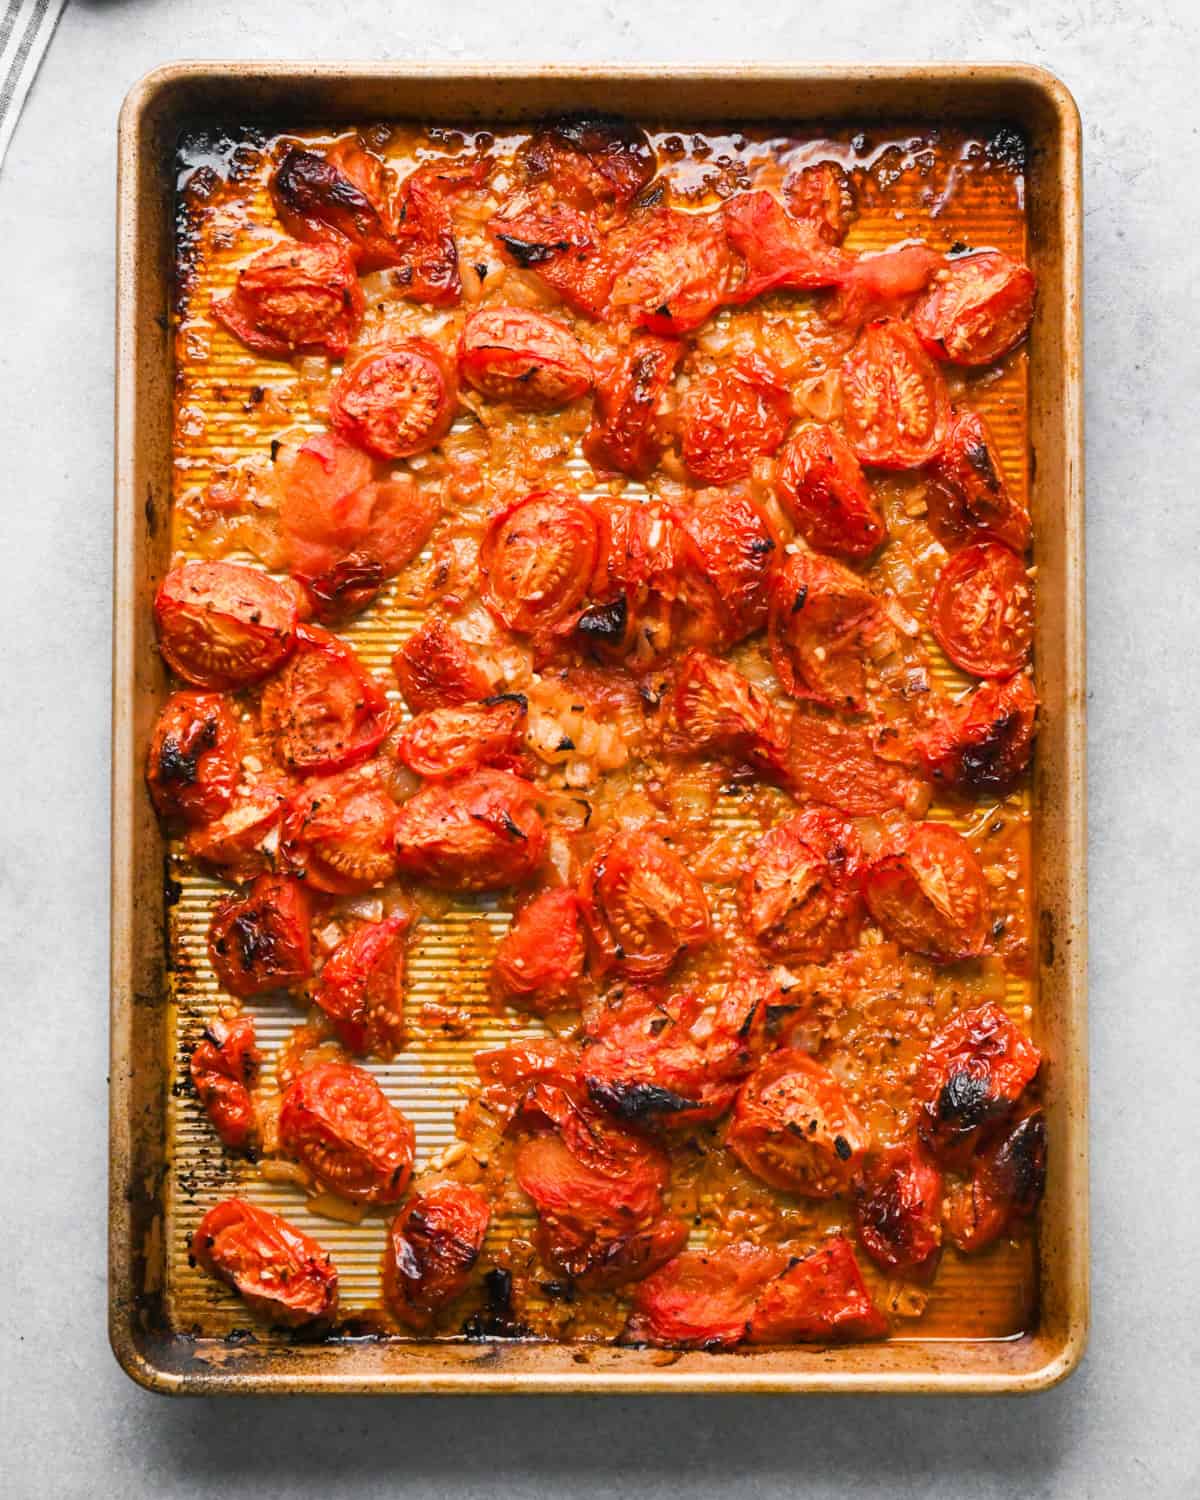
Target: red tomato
968, 498
1006, 1185
278, 1272
971, 1078
626, 432
339, 833
895, 404
513, 1076
564, 248
395, 399
731, 418
882, 285
779, 252
361, 988
825, 494
673, 270
525, 358
537, 560
821, 616
819, 1299
977, 309
431, 1250
295, 297
801, 897
703, 1299
318, 517
794, 1127
981, 745
736, 545
435, 670
223, 1067
338, 198
195, 758
260, 941
238, 845
715, 709
478, 832
928, 894
643, 908
898, 1211
425, 231
823, 194
336, 1121
345, 589
836, 763
540, 961
324, 711
222, 625
981, 610
591, 159
444, 741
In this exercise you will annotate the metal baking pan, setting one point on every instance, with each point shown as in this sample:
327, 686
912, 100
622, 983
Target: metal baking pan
152, 1335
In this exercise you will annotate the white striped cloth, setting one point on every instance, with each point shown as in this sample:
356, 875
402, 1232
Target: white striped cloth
26, 27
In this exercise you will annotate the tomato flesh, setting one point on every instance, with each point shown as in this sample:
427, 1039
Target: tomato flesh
731, 418
836, 763
981, 610
801, 896
222, 625
929, 895
736, 545
238, 845
564, 248
223, 1067
820, 1299
821, 616
294, 298
435, 670
968, 498
673, 271
395, 399
540, 960
779, 252
446, 741
981, 746
715, 709
978, 308
324, 710
896, 407
626, 434
703, 1299
822, 193
361, 988
477, 832
280, 1273
339, 833
826, 496
537, 560
527, 359
643, 908
337, 198
336, 1121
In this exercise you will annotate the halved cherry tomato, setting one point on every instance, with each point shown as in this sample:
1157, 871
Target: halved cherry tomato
836, 763
339, 832
801, 896
540, 961
223, 1066
794, 1127
336, 1121
240, 843
339, 198
444, 741
642, 906
981, 610
882, 285
260, 941
424, 229
896, 406
825, 494
222, 625
779, 252
324, 711
395, 399
361, 988
821, 616
591, 159
195, 757
822, 193
537, 561
732, 417
980, 746
1008, 1177
967, 496
736, 546
977, 309
478, 832
295, 297
626, 432
703, 1299
715, 709
564, 248
971, 1077
898, 1211
278, 1272
673, 270
819, 1299
432, 1247
532, 361
435, 670
928, 894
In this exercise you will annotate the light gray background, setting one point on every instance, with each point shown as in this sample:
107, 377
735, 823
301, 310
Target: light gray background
1127, 1424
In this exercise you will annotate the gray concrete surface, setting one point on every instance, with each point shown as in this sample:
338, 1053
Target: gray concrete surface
1127, 1424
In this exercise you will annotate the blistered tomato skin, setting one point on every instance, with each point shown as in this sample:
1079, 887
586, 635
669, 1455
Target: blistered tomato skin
432, 1248
223, 1068
978, 308
897, 1201
281, 1274
801, 897
337, 197
260, 942
821, 1298
223, 625
361, 988
445, 741
339, 833
703, 1299
192, 768
981, 746
825, 494
821, 618
969, 499
478, 832
541, 958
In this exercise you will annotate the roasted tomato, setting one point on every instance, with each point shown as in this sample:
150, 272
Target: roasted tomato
779, 252
324, 711
195, 757
898, 1211
819, 1299
444, 741
715, 709
361, 988
703, 1299
428, 271
537, 561
928, 894
339, 833
223, 1067
540, 961
240, 844
836, 763
883, 285
794, 1127
278, 1272
565, 249
643, 908
318, 507
626, 432
732, 417
735, 546
978, 308
336, 1121
431, 1250
971, 1077
339, 198
673, 270
525, 358
896, 407
478, 832
821, 616
825, 494
980, 746
591, 160
967, 496
260, 941
435, 670
823, 194
801, 897
395, 399
295, 297
981, 610
222, 625
1007, 1179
